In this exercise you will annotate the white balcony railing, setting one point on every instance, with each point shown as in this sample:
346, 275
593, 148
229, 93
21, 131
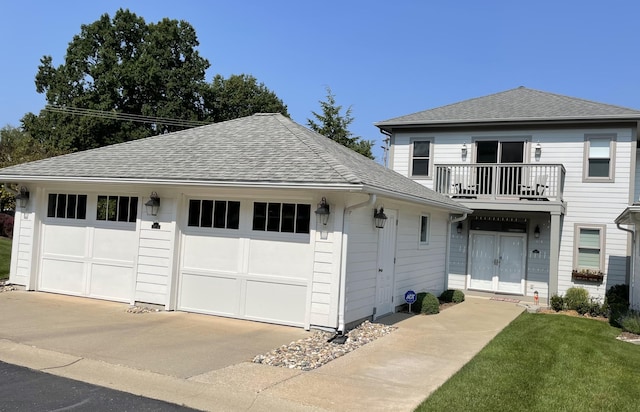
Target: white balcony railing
500, 181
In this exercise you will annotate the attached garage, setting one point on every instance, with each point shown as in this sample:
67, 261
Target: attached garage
284, 234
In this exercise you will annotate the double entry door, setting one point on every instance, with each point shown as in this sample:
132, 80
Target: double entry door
497, 262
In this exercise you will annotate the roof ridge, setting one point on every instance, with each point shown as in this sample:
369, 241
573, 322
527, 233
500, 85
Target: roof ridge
317, 149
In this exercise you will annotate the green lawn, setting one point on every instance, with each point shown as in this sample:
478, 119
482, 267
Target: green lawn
546, 363
5, 257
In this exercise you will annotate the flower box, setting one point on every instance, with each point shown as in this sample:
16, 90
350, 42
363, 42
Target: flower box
587, 276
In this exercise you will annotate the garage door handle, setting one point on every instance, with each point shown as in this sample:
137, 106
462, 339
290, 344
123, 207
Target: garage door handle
379, 270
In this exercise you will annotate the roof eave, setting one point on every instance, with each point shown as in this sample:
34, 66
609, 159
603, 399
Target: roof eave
416, 199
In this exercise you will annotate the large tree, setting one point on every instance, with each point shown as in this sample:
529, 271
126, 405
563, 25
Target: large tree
238, 96
334, 125
120, 65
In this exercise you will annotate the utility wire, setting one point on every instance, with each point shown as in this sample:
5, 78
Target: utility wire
123, 116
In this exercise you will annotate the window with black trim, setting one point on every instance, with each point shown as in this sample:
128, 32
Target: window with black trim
117, 208
221, 214
281, 217
67, 206
420, 158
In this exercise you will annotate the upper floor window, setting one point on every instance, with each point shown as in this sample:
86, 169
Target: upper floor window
117, 208
589, 248
281, 217
67, 206
599, 158
420, 158
220, 214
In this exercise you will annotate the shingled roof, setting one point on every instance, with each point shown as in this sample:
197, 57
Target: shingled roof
264, 149
515, 105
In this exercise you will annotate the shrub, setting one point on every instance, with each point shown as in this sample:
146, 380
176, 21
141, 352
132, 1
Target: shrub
6, 225
451, 295
416, 307
616, 303
430, 305
557, 303
596, 309
631, 322
576, 298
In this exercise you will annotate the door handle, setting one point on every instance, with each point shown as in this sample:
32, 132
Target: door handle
496, 262
379, 270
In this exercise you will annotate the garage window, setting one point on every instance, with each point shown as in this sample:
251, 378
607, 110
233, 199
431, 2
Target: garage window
117, 208
281, 217
66, 206
222, 214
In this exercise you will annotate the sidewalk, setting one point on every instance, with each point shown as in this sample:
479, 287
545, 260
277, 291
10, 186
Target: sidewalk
204, 362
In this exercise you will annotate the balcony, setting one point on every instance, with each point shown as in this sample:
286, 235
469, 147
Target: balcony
500, 181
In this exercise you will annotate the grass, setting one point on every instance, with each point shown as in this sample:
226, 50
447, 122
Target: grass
5, 257
546, 363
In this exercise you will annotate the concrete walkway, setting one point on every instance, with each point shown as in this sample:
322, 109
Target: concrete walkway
204, 361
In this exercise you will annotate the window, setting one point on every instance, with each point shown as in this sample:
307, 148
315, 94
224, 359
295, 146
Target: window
65, 206
281, 217
589, 248
221, 214
424, 230
420, 158
599, 161
117, 208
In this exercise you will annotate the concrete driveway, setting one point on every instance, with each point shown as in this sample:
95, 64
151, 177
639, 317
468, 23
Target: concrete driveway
204, 361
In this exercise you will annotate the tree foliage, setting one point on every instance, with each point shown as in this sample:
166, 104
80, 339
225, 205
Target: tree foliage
238, 96
334, 125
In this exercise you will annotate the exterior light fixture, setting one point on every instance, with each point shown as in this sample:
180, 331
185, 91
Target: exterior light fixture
153, 204
538, 150
323, 212
22, 198
536, 232
379, 218
459, 228
464, 150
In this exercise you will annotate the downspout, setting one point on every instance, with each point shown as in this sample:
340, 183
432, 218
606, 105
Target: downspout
386, 147
343, 260
631, 260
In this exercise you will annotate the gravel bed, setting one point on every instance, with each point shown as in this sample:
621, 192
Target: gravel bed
4, 287
315, 351
140, 309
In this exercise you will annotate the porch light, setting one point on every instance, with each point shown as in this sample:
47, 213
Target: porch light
464, 150
153, 204
536, 232
459, 228
22, 198
538, 150
379, 218
323, 212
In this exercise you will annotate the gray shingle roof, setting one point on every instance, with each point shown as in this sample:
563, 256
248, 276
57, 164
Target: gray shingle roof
520, 104
263, 148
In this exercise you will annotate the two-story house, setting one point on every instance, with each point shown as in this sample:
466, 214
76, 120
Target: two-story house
546, 176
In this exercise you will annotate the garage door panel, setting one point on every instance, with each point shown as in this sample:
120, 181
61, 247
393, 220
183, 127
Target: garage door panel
115, 244
65, 240
209, 294
219, 253
111, 282
280, 259
63, 276
276, 302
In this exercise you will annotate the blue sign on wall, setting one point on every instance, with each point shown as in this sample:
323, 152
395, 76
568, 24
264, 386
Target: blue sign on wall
410, 297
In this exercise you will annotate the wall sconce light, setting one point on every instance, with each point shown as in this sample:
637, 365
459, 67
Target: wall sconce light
379, 218
459, 228
323, 211
536, 232
538, 150
22, 198
464, 150
153, 204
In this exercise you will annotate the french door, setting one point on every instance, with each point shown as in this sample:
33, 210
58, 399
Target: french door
497, 262
509, 176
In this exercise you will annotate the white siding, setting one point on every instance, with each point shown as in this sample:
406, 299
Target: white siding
22, 248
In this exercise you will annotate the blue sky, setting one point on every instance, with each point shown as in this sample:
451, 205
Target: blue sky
383, 58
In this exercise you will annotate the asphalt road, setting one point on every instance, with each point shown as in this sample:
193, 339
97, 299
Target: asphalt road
23, 389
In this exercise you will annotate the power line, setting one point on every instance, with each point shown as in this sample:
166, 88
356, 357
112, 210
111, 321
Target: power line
123, 116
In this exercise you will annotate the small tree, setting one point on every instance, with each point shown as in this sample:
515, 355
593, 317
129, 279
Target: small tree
334, 125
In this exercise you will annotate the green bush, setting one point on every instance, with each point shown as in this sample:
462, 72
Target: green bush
557, 303
616, 303
430, 305
631, 322
452, 295
596, 309
416, 307
577, 299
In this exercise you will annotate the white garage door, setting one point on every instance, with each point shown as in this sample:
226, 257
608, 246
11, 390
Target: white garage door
87, 253
243, 274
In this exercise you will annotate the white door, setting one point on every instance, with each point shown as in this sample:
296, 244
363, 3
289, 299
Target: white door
386, 263
496, 262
